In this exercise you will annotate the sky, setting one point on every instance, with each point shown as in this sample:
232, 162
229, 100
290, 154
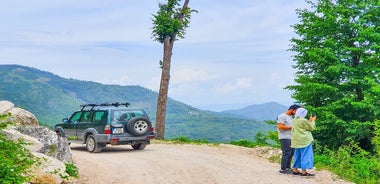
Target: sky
234, 54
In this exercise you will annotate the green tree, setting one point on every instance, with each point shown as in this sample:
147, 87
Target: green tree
169, 23
338, 62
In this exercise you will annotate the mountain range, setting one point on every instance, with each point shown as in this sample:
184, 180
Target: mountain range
52, 98
267, 111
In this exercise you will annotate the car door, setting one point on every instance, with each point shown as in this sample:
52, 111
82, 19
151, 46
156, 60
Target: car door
99, 120
83, 124
70, 126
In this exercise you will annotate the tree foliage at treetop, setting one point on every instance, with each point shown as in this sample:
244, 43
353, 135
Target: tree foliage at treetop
171, 21
338, 65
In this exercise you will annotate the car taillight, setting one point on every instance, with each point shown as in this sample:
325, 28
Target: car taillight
107, 129
151, 134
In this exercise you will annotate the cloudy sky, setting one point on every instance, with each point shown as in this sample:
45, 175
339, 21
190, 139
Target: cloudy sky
233, 55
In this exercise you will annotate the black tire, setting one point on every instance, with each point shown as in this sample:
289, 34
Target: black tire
138, 146
92, 146
59, 133
139, 126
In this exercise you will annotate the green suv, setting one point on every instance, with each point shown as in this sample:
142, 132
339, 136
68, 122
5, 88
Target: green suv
97, 125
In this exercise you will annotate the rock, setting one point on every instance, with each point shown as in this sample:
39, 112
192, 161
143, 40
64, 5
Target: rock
48, 167
33, 144
52, 150
23, 117
53, 146
19, 116
5, 106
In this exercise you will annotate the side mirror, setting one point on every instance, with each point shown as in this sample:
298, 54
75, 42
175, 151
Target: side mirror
65, 120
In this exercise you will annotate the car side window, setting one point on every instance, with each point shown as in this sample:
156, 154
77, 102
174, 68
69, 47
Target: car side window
138, 113
119, 116
86, 116
100, 116
75, 117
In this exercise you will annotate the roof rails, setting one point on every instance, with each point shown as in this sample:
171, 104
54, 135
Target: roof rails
93, 105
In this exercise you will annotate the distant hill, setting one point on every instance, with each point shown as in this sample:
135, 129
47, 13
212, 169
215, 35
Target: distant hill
52, 98
266, 111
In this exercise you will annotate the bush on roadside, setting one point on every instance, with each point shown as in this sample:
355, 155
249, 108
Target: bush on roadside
351, 162
260, 139
71, 170
15, 160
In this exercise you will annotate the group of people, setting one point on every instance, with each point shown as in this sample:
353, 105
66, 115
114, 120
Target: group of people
294, 133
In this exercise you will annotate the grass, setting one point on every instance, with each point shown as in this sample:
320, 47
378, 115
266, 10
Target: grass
185, 140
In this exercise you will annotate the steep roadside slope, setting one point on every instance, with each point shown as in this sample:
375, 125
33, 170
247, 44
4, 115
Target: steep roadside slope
177, 163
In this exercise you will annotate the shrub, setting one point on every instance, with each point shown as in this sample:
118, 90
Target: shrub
15, 160
352, 163
244, 143
71, 170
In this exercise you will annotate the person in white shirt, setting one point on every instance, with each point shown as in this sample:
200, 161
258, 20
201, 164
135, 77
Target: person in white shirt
284, 128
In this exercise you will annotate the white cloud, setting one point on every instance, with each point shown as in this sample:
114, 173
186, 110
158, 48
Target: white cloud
236, 85
234, 52
189, 75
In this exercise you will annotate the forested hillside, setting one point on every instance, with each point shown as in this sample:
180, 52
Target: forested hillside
52, 98
266, 111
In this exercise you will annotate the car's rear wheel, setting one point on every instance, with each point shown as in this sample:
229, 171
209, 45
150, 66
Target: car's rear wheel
92, 146
139, 126
138, 146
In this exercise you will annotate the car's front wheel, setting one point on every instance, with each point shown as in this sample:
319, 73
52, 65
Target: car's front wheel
138, 146
92, 146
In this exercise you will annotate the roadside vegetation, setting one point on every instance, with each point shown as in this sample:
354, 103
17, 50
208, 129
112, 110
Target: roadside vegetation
17, 163
15, 160
185, 140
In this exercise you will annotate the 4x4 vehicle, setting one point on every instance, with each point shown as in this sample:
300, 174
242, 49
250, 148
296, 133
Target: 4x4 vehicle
97, 125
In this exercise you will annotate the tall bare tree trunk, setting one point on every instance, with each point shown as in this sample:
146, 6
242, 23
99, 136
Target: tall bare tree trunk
164, 88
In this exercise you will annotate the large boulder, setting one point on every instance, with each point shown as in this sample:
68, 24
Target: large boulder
27, 124
43, 142
34, 145
19, 116
23, 117
6, 106
53, 145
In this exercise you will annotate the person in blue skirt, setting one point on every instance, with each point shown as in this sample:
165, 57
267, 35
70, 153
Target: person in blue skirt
301, 141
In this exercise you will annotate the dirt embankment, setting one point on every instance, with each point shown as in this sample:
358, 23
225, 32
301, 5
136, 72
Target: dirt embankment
185, 164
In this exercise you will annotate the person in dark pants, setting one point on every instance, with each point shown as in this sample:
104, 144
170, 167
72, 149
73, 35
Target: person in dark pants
284, 128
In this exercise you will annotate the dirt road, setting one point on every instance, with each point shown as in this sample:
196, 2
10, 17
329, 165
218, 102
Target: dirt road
184, 164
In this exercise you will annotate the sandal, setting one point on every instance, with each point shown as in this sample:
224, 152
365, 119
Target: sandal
307, 174
296, 173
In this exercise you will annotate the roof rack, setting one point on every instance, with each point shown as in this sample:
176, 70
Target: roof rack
93, 105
